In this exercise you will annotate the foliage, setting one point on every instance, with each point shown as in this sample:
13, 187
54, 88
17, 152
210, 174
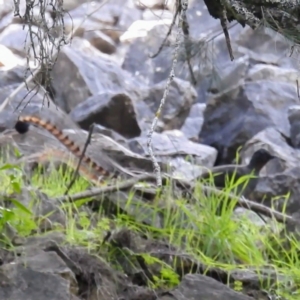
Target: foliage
214, 236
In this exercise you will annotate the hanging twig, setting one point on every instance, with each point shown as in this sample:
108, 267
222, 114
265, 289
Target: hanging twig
186, 34
224, 22
168, 33
156, 166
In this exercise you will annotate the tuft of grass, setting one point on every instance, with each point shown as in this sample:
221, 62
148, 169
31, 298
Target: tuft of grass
55, 182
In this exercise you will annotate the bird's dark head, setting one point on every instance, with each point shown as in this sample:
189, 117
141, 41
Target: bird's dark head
259, 159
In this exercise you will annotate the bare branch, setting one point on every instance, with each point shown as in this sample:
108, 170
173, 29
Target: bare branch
224, 21
182, 17
128, 184
76, 172
167, 35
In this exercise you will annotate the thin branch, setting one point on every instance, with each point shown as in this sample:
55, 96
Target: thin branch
224, 22
128, 184
256, 207
186, 35
156, 166
75, 174
167, 35
107, 189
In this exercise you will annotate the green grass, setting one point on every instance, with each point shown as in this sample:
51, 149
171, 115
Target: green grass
216, 240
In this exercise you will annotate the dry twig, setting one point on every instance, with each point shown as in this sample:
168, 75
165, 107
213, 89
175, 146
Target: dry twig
168, 33
76, 172
224, 22
128, 184
184, 6
107, 189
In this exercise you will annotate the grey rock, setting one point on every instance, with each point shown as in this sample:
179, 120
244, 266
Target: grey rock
48, 262
207, 58
11, 77
41, 206
8, 59
282, 186
6, 7
173, 149
96, 279
181, 97
157, 14
254, 218
14, 36
71, 4
100, 41
25, 102
194, 121
112, 110
294, 120
263, 71
95, 73
266, 275
280, 178
266, 46
128, 13
272, 139
5, 20
112, 18
105, 14
138, 62
235, 172
229, 74
35, 245
120, 152
233, 117
110, 133
198, 14
199, 287
153, 4
19, 282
